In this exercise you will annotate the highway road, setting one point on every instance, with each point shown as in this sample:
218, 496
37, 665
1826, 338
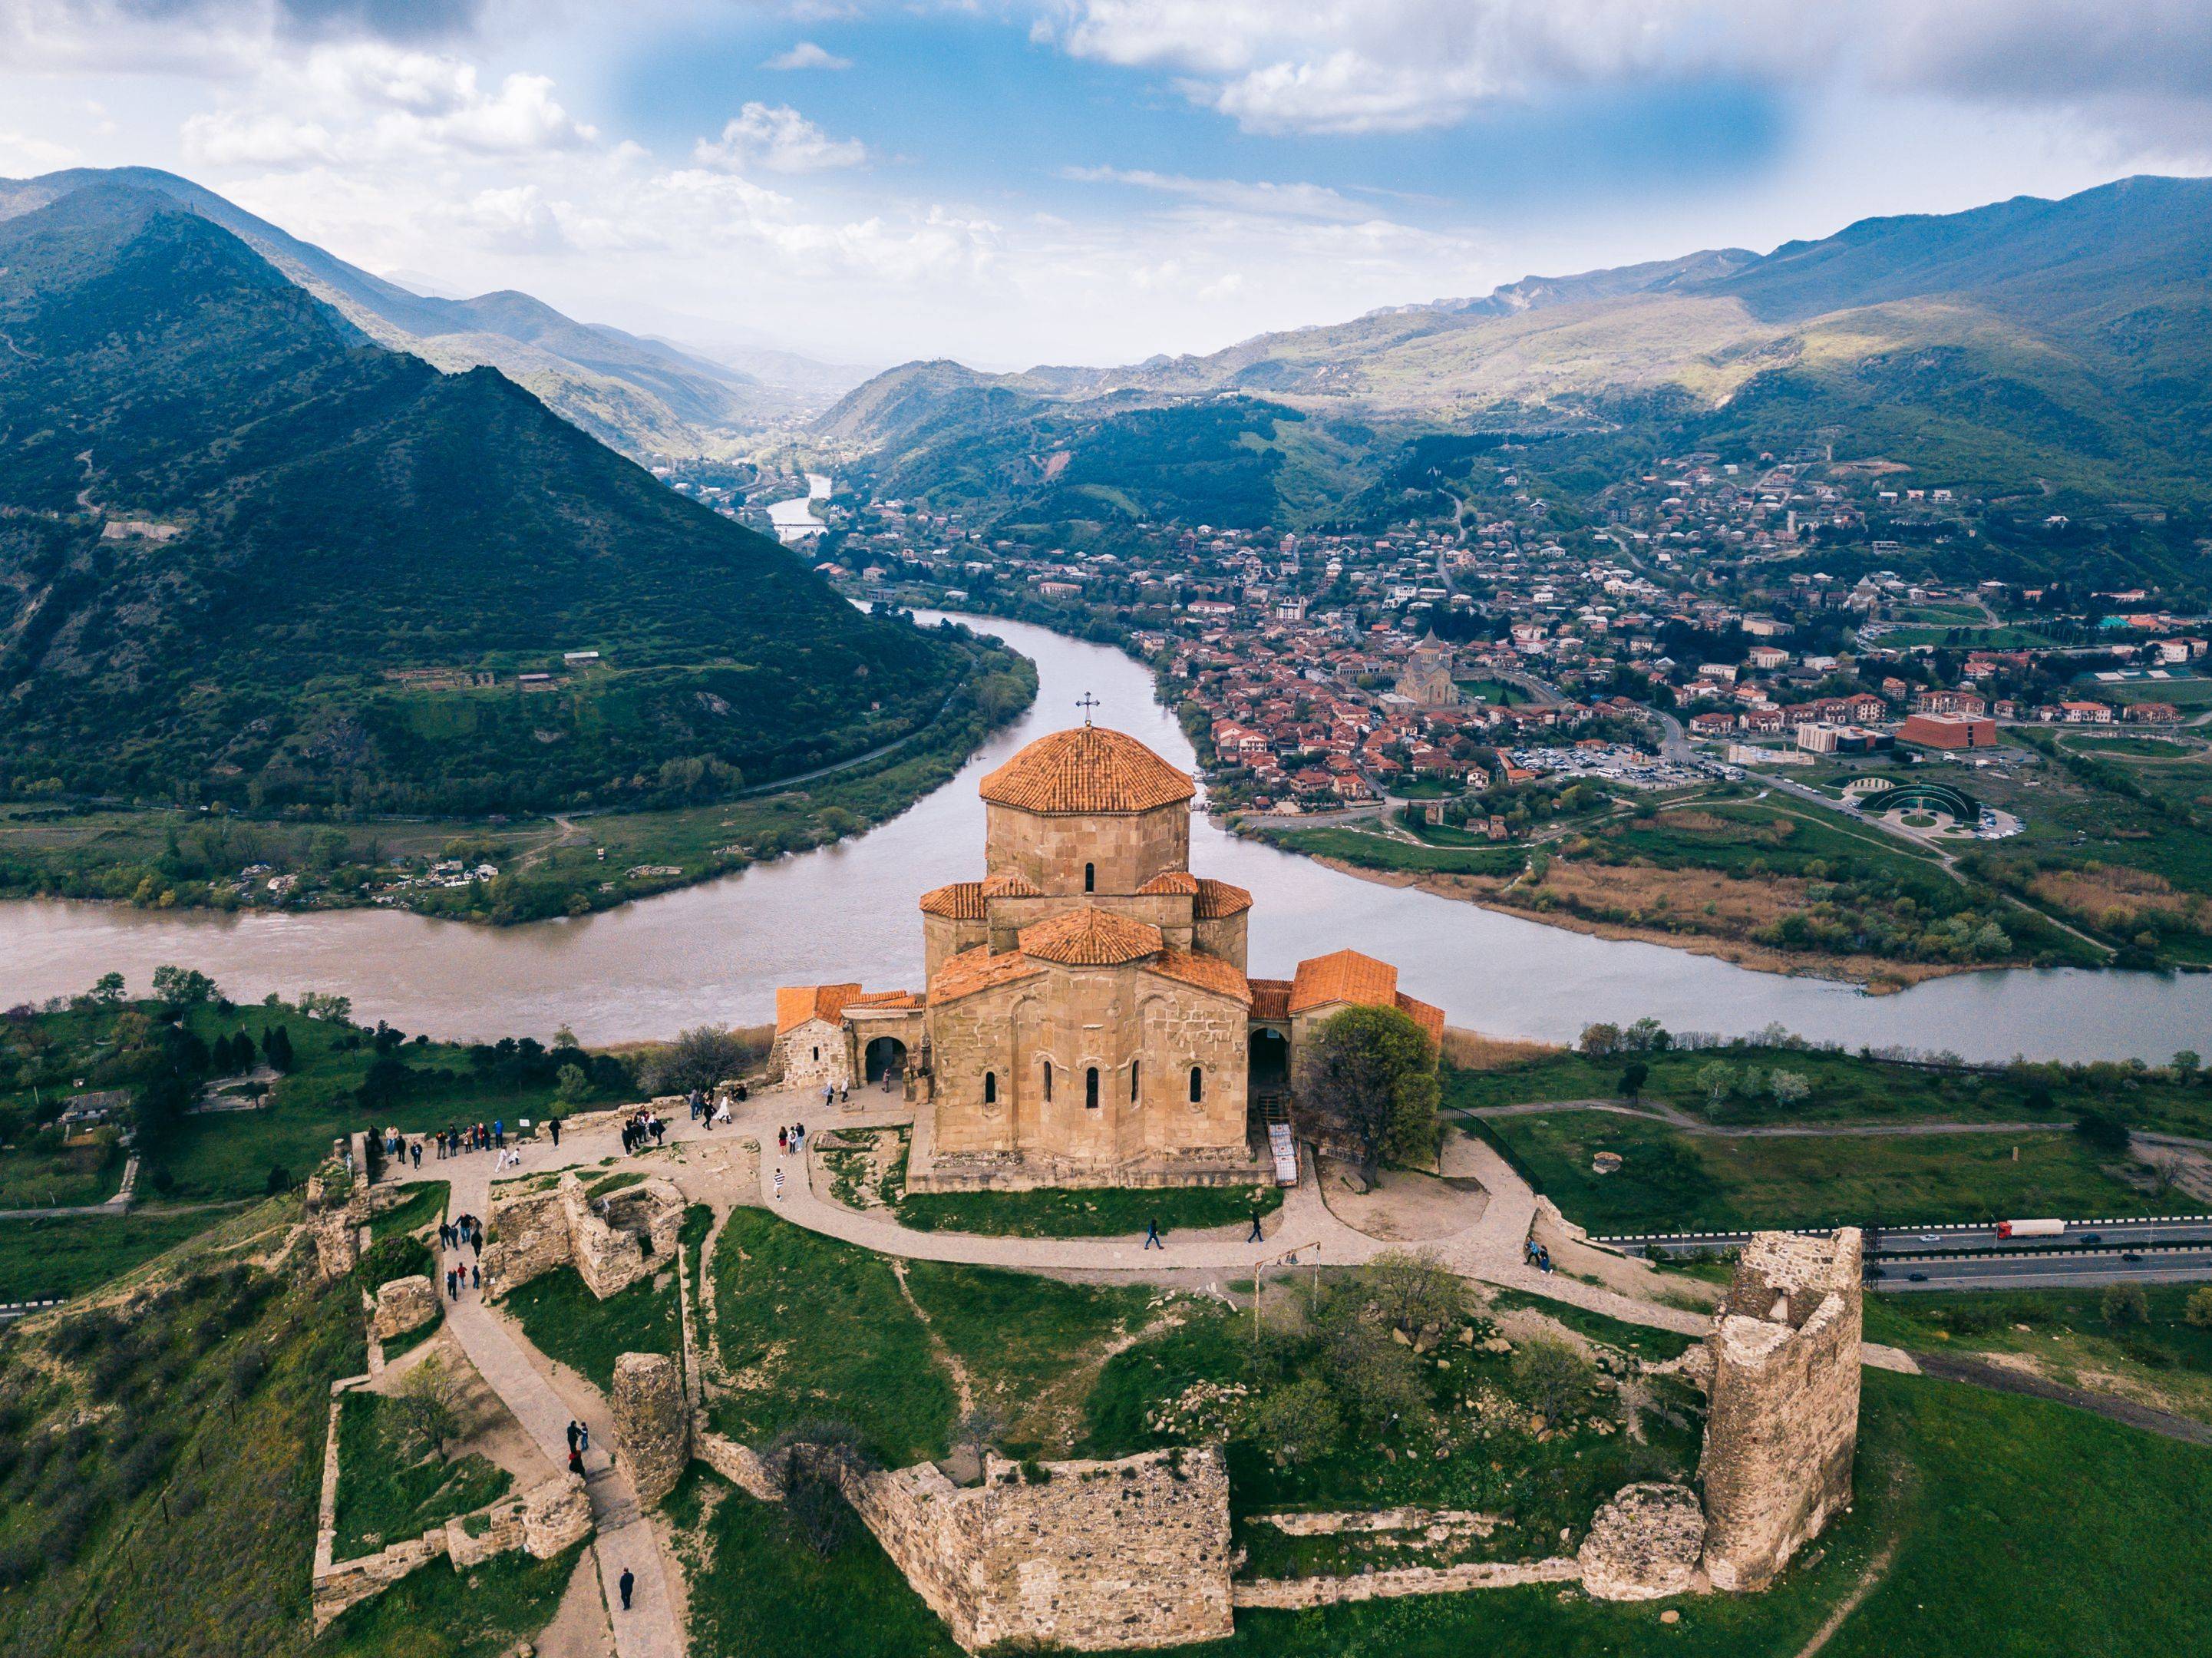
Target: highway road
2015, 1272
1920, 1239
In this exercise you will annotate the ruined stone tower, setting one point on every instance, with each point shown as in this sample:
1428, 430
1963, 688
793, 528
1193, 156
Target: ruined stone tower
1785, 1415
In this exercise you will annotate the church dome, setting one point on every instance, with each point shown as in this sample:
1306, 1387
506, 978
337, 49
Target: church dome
1091, 937
1087, 769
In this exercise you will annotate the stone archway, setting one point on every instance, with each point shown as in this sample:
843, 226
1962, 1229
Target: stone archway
1269, 1064
883, 1061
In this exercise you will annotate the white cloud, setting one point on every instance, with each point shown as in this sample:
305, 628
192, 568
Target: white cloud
807, 55
1294, 201
22, 155
368, 101
778, 138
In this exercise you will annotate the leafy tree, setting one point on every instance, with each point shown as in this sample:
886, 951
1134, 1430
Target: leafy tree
1293, 1423
1790, 1087
699, 1058
1599, 1040
2197, 1309
279, 1181
2186, 1062
2125, 1304
571, 1085
1633, 1076
2102, 1129
1716, 1077
1646, 1036
1410, 1293
1370, 1081
107, 990
1551, 1375
182, 987
428, 1403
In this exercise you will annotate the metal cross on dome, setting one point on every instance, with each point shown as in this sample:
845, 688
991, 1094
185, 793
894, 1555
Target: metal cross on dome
1086, 702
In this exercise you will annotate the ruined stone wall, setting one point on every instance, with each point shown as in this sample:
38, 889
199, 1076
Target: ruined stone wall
403, 1304
634, 1238
1782, 1421
1124, 849
1094, 1556
809, 1055
529, 1237
652, 1422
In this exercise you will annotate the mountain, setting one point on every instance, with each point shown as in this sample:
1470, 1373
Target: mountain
640, 395
229, 518
2029, 345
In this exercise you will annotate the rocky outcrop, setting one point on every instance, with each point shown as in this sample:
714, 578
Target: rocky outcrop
403, 1304
652, 1424
1645, 1543
1783, 1414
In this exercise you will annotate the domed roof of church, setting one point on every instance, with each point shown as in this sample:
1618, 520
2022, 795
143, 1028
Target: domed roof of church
1086, 769
1091, 937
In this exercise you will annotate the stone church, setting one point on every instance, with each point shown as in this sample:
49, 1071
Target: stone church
1087, 1018
1426, 678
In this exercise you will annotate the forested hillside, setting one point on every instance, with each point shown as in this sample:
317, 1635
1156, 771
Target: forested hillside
228, 521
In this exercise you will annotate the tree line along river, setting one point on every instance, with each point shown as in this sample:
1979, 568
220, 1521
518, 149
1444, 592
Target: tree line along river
715, 952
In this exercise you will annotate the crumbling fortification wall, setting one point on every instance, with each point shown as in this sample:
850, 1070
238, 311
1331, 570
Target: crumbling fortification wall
652, 1422
403, 1304
1089, 1556
1783, 1414
611, 1241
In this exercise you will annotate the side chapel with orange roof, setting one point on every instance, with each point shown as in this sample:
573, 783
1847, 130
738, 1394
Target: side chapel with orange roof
1087, 1018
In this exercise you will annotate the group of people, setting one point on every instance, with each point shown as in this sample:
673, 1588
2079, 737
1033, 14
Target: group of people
473, 1137
712, 1111
641, 1127
791, 1139
462, 1232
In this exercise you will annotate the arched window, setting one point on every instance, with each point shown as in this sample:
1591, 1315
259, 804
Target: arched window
990, 1088
1090, 1088
1047, 1082
1197, 1084
1091, 878
1132, 1080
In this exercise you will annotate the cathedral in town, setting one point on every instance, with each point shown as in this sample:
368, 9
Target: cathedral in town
1426, 678
1087, 1017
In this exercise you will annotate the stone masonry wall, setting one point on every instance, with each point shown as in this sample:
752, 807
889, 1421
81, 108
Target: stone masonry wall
809, 1055
403, 1304
529, 1238
1093, 1556
1784, 1403
652, 1422
536, 1232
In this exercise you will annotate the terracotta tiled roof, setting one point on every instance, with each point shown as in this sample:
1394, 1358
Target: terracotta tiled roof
961, 901
1170, 882
975, 969
1217, 898
1431, 1019
796, 1004
889, 999
1345, 977
1207, 972
1012, 884
1091, 937
1087, 769
1271, 997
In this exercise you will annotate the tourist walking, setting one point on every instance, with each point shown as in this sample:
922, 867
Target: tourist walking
1255, 1238
583, 1436
553, 1123
626, 1582
453, 1284
572, 1433
1152, 1234
576, 1461
415, 1151
782, 1140
499, 1132
779, 1186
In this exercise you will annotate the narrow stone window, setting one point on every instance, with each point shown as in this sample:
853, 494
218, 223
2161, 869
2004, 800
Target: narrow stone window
1047, 1082
1090, 1088
990, 1088
1197, 1084
1091, 878
1132, 1080
818, 1055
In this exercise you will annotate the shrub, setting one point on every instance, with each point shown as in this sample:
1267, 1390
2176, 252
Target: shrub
2125, 1304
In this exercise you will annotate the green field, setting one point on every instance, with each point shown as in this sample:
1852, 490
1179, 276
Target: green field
1377, 852
571, 1326
1955, 1535
1670, 1180
391, 1490
69, 1255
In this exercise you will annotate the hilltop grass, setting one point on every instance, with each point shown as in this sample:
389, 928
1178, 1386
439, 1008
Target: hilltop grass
423, 1206
1670, 1180
437, 1612
569, 1325
390, 1490
810, 1330
71, 1254
1085, 1212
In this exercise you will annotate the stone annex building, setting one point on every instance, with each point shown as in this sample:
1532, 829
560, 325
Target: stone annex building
1087, 1019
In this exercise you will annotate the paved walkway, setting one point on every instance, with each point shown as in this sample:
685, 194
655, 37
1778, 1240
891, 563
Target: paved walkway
625, 1536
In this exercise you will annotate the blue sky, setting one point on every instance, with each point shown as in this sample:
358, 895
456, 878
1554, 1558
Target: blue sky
1018, 180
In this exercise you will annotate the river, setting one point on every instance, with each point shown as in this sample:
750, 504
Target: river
794, 518
715, 952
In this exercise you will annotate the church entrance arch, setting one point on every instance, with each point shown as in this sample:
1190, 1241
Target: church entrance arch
885, 1060
1270, 1053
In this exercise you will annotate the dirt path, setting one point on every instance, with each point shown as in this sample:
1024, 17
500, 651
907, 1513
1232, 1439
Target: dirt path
2002, 1379
963, 1384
